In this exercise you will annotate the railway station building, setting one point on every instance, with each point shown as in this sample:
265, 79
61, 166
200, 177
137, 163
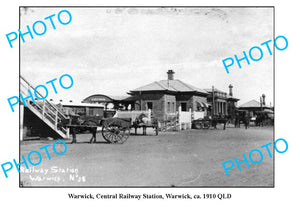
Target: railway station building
254, 106
165, 97
221, 102
111, 102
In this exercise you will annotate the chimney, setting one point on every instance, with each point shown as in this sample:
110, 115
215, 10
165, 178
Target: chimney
263, 99
230, 89
170, 74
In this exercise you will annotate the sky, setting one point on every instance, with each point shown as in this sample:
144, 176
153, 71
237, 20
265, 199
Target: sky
114, 50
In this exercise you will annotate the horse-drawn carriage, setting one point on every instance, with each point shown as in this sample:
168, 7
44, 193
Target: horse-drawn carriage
240, 116
264, 118
209, 121
115, 129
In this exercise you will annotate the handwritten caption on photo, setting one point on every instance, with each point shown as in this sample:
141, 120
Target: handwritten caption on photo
49, 175
9, 166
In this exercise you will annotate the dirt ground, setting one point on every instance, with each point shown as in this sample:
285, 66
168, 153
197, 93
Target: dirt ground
190, 158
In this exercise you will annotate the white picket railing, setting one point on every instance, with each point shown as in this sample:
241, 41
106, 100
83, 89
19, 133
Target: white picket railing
198, 115
133, 114
185, 118
45, 110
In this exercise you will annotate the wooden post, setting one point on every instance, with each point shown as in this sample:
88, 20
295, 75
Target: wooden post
213, 101
149, 114
43, 111
21, 121
68, 133
179, 117
55, 120
140, 97
192, 115
190, 123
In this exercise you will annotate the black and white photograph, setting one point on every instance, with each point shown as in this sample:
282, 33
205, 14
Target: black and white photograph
147, 96
149, 106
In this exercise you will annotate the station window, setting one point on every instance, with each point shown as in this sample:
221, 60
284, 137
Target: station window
183, 107
149, 105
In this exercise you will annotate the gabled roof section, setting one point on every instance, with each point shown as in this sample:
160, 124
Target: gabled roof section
253, 103
169, 85
155, 86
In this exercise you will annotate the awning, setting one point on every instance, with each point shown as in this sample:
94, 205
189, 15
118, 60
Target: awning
268, 111
205, 104
202, 104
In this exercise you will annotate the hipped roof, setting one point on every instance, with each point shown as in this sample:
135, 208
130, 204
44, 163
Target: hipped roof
249, 104
169, 85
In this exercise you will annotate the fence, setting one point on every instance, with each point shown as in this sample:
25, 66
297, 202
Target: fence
133, 114
185, 118
198, 115
45, 110
179, 121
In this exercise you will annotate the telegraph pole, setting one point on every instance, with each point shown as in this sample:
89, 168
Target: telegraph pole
213, 101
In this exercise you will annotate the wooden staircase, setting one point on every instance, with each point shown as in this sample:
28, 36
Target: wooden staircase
44, 110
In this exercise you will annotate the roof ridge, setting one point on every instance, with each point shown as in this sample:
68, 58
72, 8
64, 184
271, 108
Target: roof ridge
159, 84
251, 101
191, 87
171, 85
185, 84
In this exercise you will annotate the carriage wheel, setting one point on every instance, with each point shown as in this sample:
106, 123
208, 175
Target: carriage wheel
115, 134
206, 125
198, 125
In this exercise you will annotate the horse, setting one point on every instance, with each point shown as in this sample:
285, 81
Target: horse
241, 117
141, 119
222, 119
246, 121
260, 119
75, 130
74, 122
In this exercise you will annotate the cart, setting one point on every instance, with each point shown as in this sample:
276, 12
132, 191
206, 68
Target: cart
114, 130
139, 119
207, 122
204, 123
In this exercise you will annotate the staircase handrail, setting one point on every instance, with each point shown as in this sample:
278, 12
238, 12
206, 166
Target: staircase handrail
55, 108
